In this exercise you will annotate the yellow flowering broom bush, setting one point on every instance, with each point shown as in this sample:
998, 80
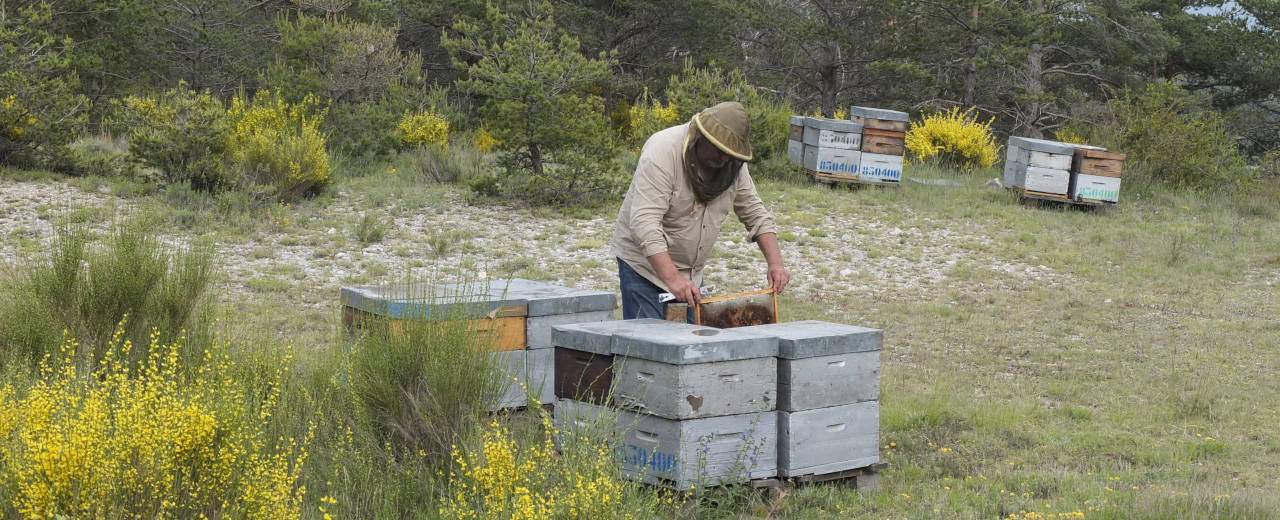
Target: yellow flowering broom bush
510, 479
648, 116
155, 440
425, 127
954, 138
278, 145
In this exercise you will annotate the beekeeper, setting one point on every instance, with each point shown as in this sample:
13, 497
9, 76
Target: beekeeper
688, 178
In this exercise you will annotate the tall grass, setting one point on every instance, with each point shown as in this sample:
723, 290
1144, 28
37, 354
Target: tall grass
425, 381
84, 289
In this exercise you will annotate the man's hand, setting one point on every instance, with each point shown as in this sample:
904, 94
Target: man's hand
684, 290
778, 278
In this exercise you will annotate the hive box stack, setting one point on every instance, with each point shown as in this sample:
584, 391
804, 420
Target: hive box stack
1095, 175
828, 396
831, 148
884, 135
518, 313
1038, 166
795, 141
692, 405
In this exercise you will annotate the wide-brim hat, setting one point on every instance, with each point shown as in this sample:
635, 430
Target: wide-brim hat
726, 126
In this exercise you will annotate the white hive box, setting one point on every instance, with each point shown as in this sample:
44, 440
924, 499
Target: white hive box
1095, 188
828, 440
1039, 165
832, 161
685, 453
682, 371
877, 167
823, 364
832, 133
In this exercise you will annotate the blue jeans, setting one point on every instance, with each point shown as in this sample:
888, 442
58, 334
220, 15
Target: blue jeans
640, 296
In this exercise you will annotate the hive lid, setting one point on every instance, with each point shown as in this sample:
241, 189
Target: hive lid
596, 337
1042, 145
878, 113
838, 125
683, 344
513, 297
797, 120
812, 338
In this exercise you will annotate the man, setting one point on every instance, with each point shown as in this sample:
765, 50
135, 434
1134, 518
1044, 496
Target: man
688, 178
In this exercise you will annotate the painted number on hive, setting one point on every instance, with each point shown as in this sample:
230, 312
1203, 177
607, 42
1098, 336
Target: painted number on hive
638, 457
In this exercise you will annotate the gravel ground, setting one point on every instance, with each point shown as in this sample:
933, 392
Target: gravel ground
306, 263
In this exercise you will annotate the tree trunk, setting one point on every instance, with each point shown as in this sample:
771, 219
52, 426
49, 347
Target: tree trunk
971, 69
1035, 86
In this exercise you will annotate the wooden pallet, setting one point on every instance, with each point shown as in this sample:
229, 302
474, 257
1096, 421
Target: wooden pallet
866, 480
831, 180
1055, 197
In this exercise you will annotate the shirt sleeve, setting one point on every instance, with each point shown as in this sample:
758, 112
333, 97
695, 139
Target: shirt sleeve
653, 187
750, 209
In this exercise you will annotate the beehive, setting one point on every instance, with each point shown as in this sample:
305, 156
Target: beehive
519, 315
1039, 166
832, 133
1095, 175
584, 357
828, 392
795, 140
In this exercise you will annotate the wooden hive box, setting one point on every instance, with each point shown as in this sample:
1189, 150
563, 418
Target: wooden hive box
884, 142
683, 454
1098, 162
797, 128
879, 118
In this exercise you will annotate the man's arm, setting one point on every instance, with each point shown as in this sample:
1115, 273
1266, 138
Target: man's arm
679, 286
777, 273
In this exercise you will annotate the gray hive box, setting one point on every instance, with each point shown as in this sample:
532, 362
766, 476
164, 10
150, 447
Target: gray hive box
795, 151
597, 337
583, 356
828, 440
688, 453
682, 371
699, 390
832, 133
529, 374
822, 364
684, 344
1040, 165
832, 161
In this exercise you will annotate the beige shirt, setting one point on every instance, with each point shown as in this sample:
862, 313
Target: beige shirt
661, 213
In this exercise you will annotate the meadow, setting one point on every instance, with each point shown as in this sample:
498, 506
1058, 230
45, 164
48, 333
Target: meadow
1040, 360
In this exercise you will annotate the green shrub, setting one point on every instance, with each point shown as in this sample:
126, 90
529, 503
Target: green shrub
543, 104
424, 381
370, 129
370, 230
1172, 137
100, 156
955, 139
87, 289
40, 110
276, 148
698, 88
181, 133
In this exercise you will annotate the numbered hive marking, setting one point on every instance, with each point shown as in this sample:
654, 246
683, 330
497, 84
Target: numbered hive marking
827, 440
880, 168
1095, 188
824, 364
697, 390
832, 133
879, 119
834, 161
687, 453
